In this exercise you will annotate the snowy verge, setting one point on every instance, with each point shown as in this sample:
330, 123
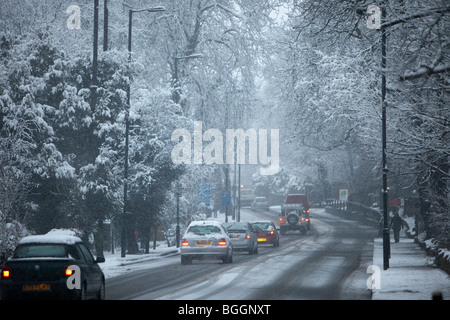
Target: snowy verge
409, 276
115, 265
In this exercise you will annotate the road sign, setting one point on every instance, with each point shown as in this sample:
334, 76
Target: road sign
226, 197
343, 194
204, 193
395, 202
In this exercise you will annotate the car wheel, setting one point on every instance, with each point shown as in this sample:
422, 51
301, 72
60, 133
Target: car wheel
230, 258
185, 260
83, 292
101, 292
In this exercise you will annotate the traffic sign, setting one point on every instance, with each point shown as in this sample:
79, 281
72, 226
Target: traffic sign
204, 193
226, 197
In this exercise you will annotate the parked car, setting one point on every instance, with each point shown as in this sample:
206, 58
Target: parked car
41, 265
242, 236
266, 233
260, 203
206, 240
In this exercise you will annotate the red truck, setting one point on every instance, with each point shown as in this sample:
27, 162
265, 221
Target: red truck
298, 199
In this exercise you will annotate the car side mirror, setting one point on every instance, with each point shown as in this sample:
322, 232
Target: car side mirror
100, 259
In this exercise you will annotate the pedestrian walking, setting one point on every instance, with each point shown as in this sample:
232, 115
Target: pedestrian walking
397, 224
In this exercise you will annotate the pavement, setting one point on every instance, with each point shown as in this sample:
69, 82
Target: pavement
411, 275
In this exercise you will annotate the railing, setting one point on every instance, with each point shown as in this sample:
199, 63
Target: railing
353, 210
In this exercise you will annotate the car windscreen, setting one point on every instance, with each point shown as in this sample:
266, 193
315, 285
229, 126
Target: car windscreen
262, 226
40, 250
204, 229
237, 228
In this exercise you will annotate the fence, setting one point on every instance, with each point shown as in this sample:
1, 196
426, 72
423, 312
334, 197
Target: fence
355, 211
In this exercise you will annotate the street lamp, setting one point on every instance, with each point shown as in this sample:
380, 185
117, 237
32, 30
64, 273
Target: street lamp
178, 191
386, 236
176, 90
127, 125
382, 27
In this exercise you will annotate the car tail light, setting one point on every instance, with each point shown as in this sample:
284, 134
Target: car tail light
303, 219
272, 232
6, 273
222, 242
184, 242
247, 236
307, 211
307, 219
68, 272
281, 220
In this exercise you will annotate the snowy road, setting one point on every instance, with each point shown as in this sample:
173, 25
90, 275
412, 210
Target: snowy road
328, 263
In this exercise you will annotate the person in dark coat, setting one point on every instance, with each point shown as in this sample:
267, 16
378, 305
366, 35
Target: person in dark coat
396, 225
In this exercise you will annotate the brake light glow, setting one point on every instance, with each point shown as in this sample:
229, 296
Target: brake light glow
68, 272
272, 232
247, 236
307, 219
184, 242
6, 273
222, 242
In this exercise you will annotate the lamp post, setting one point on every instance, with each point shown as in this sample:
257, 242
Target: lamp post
176, 89
377, 13
127, 126
386, 236
178, 193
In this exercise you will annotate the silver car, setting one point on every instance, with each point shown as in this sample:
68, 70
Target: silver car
206, 240
260, 203
242, 236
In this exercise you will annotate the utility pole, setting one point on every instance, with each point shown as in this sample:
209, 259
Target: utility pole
93, 103
386, 236
239, 195
178, 194
127, 129
105, 25
94, 66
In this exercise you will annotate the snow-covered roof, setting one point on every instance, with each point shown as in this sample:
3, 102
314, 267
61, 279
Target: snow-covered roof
205, 223
54, 236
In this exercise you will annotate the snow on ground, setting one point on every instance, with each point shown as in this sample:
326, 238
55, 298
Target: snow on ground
115, 265
410, 275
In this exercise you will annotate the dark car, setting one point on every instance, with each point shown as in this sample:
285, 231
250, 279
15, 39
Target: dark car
266, 233
52, 266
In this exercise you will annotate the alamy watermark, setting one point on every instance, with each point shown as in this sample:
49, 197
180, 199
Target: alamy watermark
374, 281
374, 18
74, 20
74, 279
258, 147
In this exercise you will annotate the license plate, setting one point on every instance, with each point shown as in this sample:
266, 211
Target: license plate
36, 287
203, 242
262, 239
